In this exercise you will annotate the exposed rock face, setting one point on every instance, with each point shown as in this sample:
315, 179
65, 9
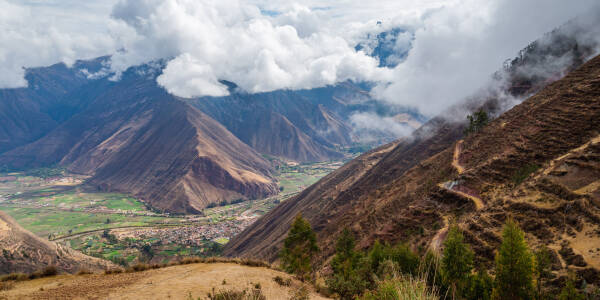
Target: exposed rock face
135, 138
24, 252
537, 163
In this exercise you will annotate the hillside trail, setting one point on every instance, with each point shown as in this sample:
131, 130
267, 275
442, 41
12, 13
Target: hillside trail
460, 169
440, 236
177, 282
456, 156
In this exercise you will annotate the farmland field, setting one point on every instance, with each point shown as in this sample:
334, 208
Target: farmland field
59, 206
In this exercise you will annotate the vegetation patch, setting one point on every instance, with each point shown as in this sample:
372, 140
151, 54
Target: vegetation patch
522, 173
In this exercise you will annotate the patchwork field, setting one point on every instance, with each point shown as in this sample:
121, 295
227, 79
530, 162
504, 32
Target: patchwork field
58, 206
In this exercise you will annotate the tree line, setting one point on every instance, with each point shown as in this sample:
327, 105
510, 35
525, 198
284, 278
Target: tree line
387, 271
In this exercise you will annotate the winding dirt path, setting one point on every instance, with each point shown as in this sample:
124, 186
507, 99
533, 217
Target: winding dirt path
456, 157
440, 236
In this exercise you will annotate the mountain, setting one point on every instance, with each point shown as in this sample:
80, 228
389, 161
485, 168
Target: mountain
27, 114
536, 163
306, 125
135, 138
24, 252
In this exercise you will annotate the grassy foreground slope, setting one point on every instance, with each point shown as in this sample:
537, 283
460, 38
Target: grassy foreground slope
177, 282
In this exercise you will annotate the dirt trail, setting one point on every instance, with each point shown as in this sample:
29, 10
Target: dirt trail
460, 169
439, 237
177, 282
456, 157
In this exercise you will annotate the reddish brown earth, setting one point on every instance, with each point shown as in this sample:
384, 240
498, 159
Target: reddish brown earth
400, 192
24, 252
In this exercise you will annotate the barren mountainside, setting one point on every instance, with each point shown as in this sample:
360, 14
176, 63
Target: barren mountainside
24, 252
537, 163
133, 137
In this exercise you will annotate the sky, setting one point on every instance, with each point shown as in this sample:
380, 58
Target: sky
453, 46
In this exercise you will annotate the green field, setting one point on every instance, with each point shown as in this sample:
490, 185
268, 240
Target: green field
49, 221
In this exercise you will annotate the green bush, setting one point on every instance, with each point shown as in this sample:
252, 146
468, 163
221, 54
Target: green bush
522, 173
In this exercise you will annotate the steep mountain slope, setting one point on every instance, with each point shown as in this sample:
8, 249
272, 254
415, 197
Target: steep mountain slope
414, 188
306, 125
257, 121
27, 114
24, 252
135, 138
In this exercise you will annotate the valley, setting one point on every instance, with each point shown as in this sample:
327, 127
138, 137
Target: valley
57, 205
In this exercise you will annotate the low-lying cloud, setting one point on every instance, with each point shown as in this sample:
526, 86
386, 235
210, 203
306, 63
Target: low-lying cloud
453, 46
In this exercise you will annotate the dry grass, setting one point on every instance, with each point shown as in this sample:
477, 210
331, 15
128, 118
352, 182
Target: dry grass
174, 282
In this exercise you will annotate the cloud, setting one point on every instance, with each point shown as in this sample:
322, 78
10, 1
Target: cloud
228, 40
371, 127
458, 47
31, 38
262, 45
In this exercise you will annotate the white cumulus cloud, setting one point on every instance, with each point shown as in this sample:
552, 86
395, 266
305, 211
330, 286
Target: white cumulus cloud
229, 40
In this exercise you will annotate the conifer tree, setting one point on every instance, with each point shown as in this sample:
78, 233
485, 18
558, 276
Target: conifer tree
514, 265
457, 261
569, 292
542, 268
346, 279
299, 248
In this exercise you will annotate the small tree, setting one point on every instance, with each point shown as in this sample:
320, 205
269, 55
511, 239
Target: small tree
569, 292
542, 268
477, 121
346, 279
299, 248
480, 286
457, 261
514, 265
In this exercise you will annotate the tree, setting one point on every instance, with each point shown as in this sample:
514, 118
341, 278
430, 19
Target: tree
480, 286
514, 265
299, 248
457, 261
347, 280
569, 292
542, 268
477, 121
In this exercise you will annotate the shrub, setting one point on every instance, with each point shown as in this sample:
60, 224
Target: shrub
138, 268
281, 281
14, 277
113, 271
84, 271
254, 263
522, 173
45, 272
300, 293
255, 294
401, 287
